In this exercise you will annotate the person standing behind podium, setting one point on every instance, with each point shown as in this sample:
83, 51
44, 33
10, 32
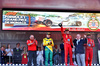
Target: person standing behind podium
62, 51
48, 43
89, 50
3, 54
79, 50
17, 54
32, 48
24, 56
68, 44
9, 53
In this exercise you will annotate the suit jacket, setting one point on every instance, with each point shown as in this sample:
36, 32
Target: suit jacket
17, 54
62, 49
79, 48
2, 53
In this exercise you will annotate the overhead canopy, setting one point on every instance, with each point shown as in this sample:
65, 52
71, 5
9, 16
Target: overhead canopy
52, 4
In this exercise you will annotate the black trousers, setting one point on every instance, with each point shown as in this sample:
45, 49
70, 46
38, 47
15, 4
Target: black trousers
32, 55
2, 60
9, 59
17, 59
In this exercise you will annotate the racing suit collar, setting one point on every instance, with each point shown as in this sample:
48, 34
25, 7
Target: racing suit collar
47, 38
88, 38
32, 40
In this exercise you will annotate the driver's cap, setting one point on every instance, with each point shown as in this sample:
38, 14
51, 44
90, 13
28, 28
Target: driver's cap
88, 34
66, 29
48, 33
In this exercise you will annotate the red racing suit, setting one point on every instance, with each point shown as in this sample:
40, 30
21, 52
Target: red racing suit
89, 51
67, 46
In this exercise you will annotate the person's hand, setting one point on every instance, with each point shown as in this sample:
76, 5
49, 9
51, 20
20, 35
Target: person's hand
3, 53
59, 50
56, 50
34, 41
50, 43
74, 47
84, 36
21, 47
71, 46
10, 50
60, 24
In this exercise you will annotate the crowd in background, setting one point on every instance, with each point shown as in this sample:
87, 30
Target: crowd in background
38, 55
19, 55
24, 55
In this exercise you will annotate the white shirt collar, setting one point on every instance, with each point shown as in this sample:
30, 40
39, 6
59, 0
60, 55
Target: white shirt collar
17, 48
78, 40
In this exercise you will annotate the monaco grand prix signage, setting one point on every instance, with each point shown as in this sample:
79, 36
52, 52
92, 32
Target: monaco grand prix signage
36, 20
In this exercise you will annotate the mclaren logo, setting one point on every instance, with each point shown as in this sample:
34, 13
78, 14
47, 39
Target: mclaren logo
93, 23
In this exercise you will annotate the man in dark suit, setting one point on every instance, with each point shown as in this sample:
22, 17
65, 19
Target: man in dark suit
3, 54
56, 56
79, 49
17, 54
62, 51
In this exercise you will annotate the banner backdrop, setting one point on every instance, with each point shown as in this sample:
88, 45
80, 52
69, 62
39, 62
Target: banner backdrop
48, 21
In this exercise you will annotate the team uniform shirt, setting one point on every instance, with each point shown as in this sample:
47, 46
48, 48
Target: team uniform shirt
90, 43
32, 47
46, 41
66, 37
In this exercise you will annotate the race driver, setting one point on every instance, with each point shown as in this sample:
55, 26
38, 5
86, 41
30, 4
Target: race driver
68, 45
89, 50
48, 43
